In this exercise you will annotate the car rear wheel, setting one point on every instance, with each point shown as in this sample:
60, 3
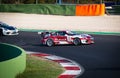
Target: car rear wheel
49, 42
76, 41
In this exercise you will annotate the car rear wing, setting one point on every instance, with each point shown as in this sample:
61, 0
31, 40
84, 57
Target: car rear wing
44, 34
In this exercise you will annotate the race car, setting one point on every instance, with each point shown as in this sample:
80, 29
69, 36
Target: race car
7, 30
65, 37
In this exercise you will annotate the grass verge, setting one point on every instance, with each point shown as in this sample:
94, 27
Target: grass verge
38, 67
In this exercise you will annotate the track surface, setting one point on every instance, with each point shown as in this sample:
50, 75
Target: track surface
100, 60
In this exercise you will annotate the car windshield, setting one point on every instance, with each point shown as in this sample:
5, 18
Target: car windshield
71, 33
4, 25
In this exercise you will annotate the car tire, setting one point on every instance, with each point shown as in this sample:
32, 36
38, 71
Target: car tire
1, 32
76, 41
49, 42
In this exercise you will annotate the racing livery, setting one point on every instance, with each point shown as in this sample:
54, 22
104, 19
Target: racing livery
65, 37
7, 30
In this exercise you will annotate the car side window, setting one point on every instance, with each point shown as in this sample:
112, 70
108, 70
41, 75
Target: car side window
54, 34
61, 33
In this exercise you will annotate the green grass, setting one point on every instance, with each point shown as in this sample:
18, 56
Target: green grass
40, 68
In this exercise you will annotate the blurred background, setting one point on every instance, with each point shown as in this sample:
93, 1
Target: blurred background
59, 1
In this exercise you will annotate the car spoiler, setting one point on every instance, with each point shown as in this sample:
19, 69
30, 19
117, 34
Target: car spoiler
44, 33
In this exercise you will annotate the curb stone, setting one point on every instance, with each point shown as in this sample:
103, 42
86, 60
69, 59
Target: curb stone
72, 69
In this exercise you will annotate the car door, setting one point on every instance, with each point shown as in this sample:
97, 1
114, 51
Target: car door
61, 37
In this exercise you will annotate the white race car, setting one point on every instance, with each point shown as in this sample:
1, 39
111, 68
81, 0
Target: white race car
7, 30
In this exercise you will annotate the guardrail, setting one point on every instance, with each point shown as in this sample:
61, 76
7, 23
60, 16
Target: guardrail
90, 10
12, 60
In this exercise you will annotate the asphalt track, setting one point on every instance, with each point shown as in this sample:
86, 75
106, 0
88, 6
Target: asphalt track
100, 60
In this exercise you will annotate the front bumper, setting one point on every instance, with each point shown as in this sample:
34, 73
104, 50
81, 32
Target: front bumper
10, 32
87, 41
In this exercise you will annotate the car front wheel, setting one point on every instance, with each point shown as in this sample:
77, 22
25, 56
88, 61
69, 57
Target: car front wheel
49, 42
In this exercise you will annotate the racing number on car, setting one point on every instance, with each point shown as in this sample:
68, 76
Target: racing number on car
68, 38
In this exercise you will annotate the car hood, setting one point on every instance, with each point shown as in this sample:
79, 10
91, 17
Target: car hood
81, 35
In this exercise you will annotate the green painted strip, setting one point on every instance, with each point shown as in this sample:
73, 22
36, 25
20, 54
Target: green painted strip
11, 67
101, 33
97, 33
8, 52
